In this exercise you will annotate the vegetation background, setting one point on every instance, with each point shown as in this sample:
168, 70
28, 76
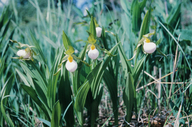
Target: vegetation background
150, 90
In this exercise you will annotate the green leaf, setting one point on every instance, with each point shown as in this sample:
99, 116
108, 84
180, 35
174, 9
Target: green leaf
56, 115
7, 26
138, 68
174, 16
66, 41
84, 89
23, 77
45, 122
177, 44
5, 91
104, 39
4, 17
97, 79
142, 4
124, 5
161, 52
94, 106
33, 41
6, 116
184, 35
111, 84
88, 13
38, 78
53, 79
77, 10
136, 16
32, 93
145, 24
9, 85
64, 96
125, 64
77, 74
92, 28
81, 96
129, 96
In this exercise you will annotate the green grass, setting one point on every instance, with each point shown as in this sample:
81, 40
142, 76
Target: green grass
144, 88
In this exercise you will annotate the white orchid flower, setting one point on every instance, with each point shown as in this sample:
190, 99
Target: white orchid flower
149, 47
93, 52
98, 31
24, 53
71, 65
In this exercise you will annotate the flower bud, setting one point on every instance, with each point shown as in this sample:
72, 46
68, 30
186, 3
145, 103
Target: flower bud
71, 66
23, 53
98, 31
149, 47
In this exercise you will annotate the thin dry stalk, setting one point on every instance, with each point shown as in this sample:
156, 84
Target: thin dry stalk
156, 80
177, 118
174, 68
159, 89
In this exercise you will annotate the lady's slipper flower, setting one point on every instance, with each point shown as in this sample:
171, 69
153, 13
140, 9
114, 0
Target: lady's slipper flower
71, 64
98, 31
149, 47
25, 54
93, 52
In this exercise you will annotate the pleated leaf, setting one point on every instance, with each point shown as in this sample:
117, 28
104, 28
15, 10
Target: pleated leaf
174, 16
64, 95
32, 93
77, 79
92, 29
53, 79
136, 10
97, 79
136, 16
66, 41
138, 68
81, 96
125, 64
38, 79
145, 24
111, 84
129, 96
56, 115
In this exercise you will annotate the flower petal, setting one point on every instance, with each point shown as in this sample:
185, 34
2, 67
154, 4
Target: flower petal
93, 54
149, 47
71, 66
23, 53
98, 31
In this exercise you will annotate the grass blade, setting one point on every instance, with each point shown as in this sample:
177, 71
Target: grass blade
6, 116
177, 44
